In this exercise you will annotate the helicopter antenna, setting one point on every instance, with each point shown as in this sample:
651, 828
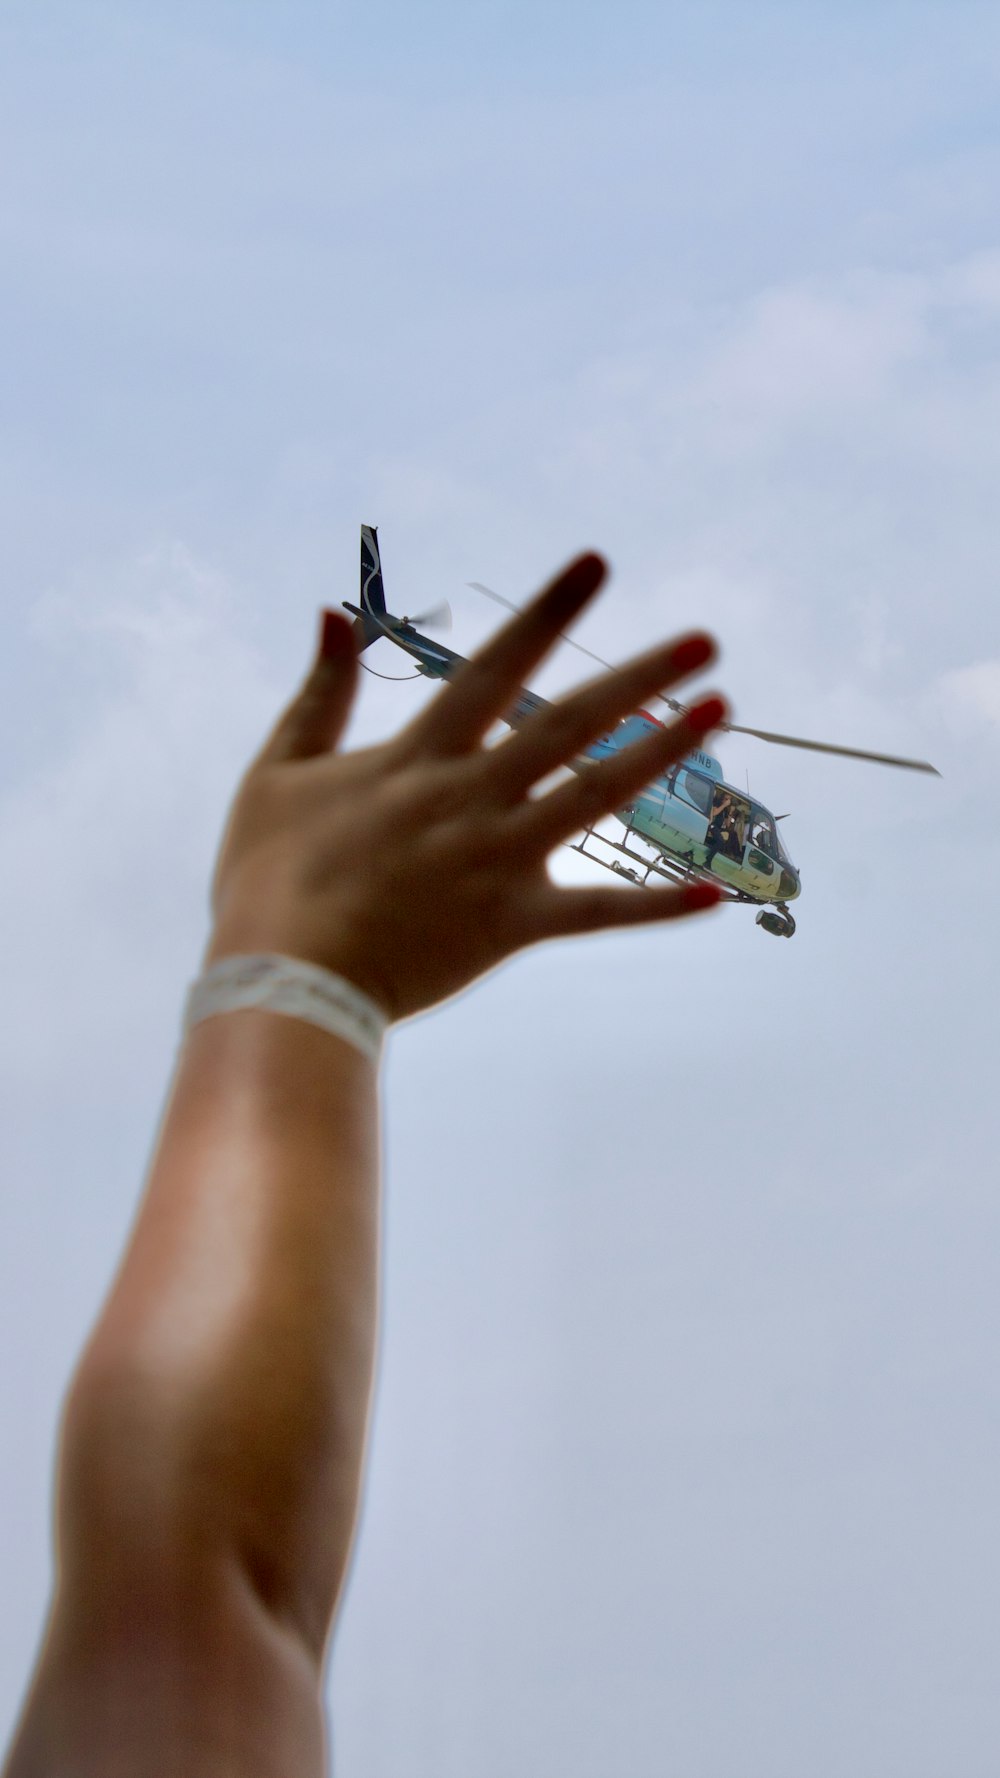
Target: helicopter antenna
735, 728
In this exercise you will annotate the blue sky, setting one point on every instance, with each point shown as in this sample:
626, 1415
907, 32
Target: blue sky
686, 1436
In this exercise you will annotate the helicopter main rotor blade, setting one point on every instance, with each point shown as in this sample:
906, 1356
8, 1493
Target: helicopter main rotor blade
477, 587
879, 759
488, 593
735, 728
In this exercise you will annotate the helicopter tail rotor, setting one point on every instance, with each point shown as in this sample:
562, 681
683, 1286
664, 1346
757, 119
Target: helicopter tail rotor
371, 618
437, 618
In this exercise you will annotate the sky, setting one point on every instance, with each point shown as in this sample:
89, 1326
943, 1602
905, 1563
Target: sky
686, 1445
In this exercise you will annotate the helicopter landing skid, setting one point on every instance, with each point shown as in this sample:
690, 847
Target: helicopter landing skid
673, 871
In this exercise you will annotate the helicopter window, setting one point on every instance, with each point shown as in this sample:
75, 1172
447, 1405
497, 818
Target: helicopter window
760, 861
762, 831
695, 789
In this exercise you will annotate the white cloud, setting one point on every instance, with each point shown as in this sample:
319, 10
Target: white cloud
802, 351
114, 834
971, 695
972, 283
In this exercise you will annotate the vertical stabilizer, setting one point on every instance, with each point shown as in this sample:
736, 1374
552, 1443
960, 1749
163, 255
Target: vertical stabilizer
372, 599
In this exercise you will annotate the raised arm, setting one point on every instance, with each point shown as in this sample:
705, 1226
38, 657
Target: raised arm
212, 1445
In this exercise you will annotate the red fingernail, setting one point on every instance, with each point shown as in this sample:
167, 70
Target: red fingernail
580, 580
694, 651
334, 635
707, 714
592, 564
701, 895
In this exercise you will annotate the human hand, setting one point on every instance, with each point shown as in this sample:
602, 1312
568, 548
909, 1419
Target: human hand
413, 866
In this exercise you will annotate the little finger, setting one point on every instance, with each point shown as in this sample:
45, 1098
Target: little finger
563, 912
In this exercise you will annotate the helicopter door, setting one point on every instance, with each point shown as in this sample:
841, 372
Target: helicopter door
762, 848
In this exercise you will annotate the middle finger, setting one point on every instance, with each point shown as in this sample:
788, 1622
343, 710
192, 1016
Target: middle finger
462, 713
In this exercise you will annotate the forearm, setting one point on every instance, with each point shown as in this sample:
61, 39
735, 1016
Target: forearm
212, 1447
230, 1370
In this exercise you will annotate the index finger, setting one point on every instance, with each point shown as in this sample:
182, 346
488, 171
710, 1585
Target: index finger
485, 687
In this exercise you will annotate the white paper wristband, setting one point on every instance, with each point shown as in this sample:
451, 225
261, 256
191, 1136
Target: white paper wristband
288, 985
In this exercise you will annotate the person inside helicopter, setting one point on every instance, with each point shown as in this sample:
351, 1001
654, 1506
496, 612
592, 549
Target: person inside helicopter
717, 819
726, 825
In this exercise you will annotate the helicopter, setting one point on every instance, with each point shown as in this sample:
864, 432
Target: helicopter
696, 826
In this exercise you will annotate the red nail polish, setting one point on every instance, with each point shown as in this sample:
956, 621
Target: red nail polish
334, 635
694, 651
701, 895
708, 714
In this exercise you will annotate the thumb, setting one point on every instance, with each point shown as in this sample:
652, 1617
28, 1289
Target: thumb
315, 719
